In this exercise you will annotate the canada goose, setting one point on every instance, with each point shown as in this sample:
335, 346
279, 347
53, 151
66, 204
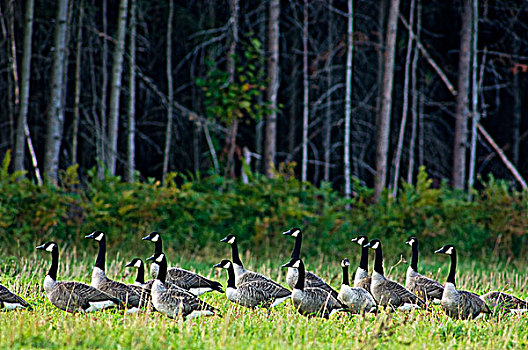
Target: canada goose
175, 301
362, 278
500, 301
253, 293
422, 286
385, 291
11, 301
357, 299
185, 279
311, 279
142, 288
241, 274
73, 296
459, 303
100, 281
312, 301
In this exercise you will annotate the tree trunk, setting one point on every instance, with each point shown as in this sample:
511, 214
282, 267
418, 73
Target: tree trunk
327, 127
77, 92
131, 132
306, 96
273, 87
382, 144
170, 93
292, 111
403, 124
55, 119
117, 68
379, 71
517, 112
348, 98
12, 83
102, 142
414, 97
475, 116
462, 110
20, 146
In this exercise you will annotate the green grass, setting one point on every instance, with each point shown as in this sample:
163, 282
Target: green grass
241, 328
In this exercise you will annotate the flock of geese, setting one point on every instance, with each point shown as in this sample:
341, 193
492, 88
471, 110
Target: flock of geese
174, 291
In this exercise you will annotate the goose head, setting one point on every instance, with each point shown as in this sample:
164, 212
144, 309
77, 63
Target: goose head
153, 237
224, 264
48, 246
448, 249
294, 232
157, 258
229, 239
412, 241
97, 235
345, 262
361, 240
136, 262
295, 263
374, 244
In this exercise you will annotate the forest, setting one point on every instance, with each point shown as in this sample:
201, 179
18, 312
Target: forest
345, 91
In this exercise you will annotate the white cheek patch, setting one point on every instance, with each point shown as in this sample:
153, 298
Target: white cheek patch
295, 233
138, 264
361, 240
376, 245
227, 265
449, 251
296, 264
231, 240
50, 247
100, 237
155, 238
160, 258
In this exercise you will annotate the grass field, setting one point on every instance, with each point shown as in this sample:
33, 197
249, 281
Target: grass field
241, 328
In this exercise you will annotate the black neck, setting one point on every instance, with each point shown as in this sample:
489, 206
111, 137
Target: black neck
140, 277
231, 276
452, 270
54, 264
301, 277
296, 253
100, 261
363, 263
345, 276
162, 273
158, 246
234, 253
378, 261
414, 259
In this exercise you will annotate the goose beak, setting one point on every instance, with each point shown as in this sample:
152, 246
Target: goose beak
41, 247
217, 265
288, 233
225, 239
91, 236
355, 239
150, 258
288, 264
129, 264
146, 238
439, 251
368, 245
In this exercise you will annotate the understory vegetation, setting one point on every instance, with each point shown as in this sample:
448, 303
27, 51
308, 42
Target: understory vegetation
195, 212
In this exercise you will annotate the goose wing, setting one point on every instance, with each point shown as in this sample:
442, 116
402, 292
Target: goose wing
322, 301
312, 280
356, 299
71, 295
504, 301
121, 291
188, 302
144, 294
9, 297
428, 287
364, 283
187, 280
472, 304
399, 295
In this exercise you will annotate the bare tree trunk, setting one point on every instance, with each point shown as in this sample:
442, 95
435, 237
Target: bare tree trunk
170, 93
382, 144
292, 111
20, 146
462, 109
475, 116
327, 127
273, 87
77, 92
403, 124
13, 90
233, 129
260, 123
117, 68
55, 118
104, 86
379, 70
306, 97
517, 112
348, 97
131, 132
414, 97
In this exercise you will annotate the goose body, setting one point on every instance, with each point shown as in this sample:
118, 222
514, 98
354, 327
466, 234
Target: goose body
311, 279
312, 301
253, 293
11, 301
459, 303
185, 279
242, 275
121, 291
174, 301
72, 296
358, 300
500, 301
422, 286
362, 278
385, 291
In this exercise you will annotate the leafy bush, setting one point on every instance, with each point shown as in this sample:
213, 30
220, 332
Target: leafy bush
201, 210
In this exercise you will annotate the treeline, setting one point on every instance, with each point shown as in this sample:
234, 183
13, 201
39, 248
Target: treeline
198, 213
350, 90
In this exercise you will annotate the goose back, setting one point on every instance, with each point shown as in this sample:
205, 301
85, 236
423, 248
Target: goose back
11, 301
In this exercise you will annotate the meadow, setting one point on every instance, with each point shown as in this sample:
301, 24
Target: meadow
242, 328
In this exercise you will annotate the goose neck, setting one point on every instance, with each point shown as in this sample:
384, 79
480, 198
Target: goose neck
296, 253
54, 264
346, 281
414, 258
302, 275
234, 253
140, 277
100, 261
378, 261
452, 269
363, 263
